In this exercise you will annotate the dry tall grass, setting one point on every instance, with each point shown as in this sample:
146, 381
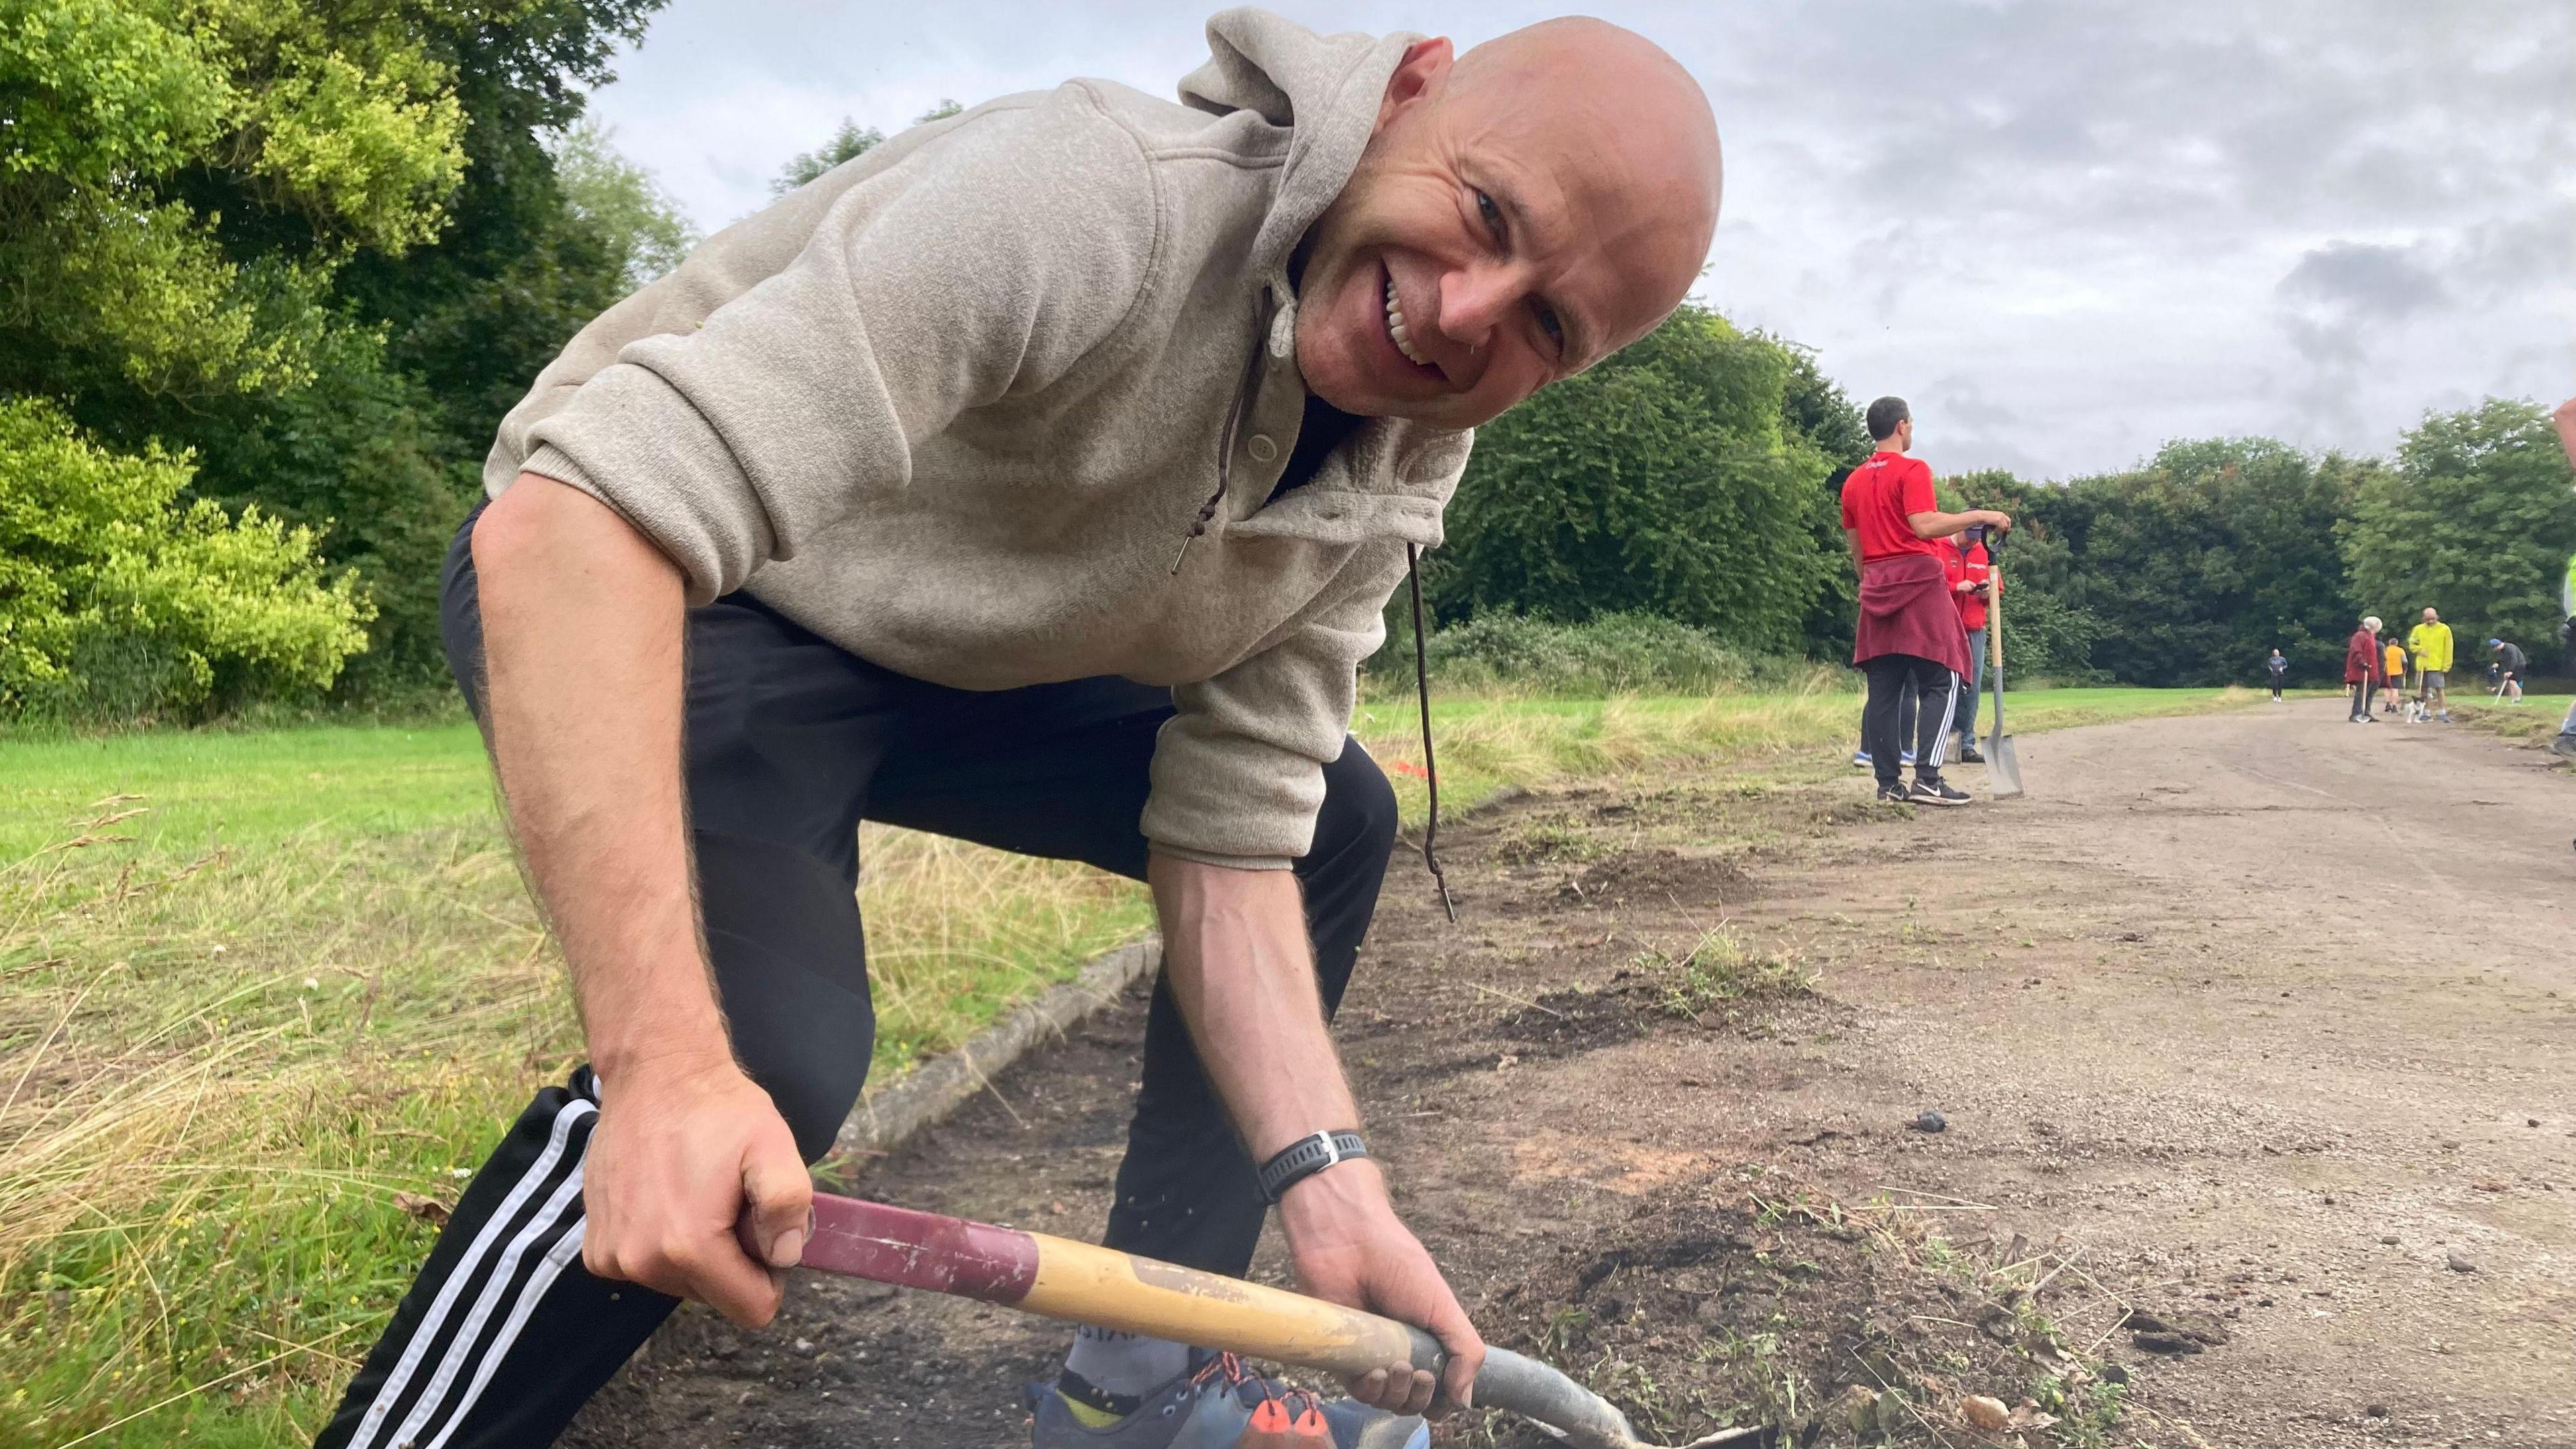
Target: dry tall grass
235, 1089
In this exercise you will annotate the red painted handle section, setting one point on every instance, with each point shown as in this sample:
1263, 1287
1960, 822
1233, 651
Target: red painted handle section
918, 1250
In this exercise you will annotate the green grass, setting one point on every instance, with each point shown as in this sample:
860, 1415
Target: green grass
247, 790
2533, 723
255, 985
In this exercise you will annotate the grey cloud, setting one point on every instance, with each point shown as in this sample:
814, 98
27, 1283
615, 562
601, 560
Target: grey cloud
2362, 281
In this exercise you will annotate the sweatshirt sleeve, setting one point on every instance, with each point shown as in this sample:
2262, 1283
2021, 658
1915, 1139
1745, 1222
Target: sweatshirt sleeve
1238, 772
991, 260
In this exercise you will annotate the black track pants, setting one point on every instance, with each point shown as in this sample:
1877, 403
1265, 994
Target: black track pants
1891, 676
1908, 699
790, 743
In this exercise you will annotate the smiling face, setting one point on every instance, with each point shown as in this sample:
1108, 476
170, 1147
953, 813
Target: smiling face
1519, 214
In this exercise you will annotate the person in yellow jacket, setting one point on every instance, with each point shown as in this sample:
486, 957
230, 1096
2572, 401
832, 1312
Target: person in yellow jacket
2430, 643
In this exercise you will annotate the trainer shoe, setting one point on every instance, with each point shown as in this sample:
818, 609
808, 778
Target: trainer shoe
1213, 1405
1860, 759
1936, 792
1905, 758
1893, 795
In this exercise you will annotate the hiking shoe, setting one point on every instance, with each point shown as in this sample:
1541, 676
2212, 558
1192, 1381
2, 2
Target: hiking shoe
1860, 759
1213, 1405
1936, 792
1968, 753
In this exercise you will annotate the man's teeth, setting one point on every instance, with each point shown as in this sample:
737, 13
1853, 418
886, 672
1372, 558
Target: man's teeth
1395, 328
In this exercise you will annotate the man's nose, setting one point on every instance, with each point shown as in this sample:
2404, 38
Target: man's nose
1475, 299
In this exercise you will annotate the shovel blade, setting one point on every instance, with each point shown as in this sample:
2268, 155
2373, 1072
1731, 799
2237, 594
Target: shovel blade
2003, 767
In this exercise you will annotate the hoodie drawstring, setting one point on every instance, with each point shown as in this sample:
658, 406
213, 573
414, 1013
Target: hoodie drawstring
1422, 693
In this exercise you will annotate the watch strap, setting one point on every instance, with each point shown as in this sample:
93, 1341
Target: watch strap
1305, 1157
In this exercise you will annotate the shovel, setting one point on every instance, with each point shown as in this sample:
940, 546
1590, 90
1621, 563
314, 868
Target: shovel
1078, 1283
2003, 767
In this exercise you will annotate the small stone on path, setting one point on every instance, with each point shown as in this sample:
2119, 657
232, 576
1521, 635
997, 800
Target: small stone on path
2459, 1262
1929, 1120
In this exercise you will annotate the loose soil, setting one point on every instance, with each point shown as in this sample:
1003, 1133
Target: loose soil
2254, 1036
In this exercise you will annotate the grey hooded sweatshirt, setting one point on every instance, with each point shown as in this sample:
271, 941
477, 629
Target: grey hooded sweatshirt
1003, 401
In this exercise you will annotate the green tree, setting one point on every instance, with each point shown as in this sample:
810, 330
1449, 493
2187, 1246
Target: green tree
183, 185
2047, 635
638, 222
1662, 482
180, 182
117, 599
2191, 568
1815, 407
356, 387
2477, 519
847, 142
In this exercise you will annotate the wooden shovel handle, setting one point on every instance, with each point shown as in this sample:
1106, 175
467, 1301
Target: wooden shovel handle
1995, 619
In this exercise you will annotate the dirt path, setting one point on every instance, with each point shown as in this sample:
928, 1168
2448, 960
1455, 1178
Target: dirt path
2249, 1022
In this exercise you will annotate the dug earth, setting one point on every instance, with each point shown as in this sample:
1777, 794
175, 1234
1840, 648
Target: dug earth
2256, 1117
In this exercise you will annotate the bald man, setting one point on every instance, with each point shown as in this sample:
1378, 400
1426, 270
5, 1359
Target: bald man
1037, 479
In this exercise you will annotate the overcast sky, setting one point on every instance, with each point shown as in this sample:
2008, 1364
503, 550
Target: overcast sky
2067, 232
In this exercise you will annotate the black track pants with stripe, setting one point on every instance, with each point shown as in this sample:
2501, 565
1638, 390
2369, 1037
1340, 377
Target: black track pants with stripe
1890, 677
790, 743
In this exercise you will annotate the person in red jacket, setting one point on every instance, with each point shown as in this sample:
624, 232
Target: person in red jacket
1972, 582
2362, 669
1908, 627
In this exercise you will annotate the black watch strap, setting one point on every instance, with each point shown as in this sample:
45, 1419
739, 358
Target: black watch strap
1307, 1156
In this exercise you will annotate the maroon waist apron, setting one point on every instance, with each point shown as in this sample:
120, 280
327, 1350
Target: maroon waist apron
1905, 608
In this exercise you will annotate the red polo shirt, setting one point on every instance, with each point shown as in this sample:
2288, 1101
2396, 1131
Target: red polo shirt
1877, 498
1969, 566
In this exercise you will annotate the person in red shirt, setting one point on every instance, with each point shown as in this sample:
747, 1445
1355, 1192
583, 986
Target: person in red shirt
1908, 627
1972, 582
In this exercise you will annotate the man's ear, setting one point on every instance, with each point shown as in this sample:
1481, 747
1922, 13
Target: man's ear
1417, 77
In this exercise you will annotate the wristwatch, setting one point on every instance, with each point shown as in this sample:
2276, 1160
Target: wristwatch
1305, 1157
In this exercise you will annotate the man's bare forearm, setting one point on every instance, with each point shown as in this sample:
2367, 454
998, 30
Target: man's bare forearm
1936, 524
582, 635
1235, 950
1234, 942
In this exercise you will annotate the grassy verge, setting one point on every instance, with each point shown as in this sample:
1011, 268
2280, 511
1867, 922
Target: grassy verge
1485, 745
2531, 723
264, 996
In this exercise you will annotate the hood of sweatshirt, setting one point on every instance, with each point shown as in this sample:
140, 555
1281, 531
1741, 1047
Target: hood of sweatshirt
1324, 90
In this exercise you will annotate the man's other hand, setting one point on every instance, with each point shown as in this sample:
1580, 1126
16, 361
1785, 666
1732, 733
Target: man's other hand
1349, 1248
681, 1149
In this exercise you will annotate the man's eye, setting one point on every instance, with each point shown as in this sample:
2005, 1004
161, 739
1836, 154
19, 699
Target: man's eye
1492, 214
1555, 330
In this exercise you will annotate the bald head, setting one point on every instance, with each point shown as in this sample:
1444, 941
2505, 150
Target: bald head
1522, 211
1633, 119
